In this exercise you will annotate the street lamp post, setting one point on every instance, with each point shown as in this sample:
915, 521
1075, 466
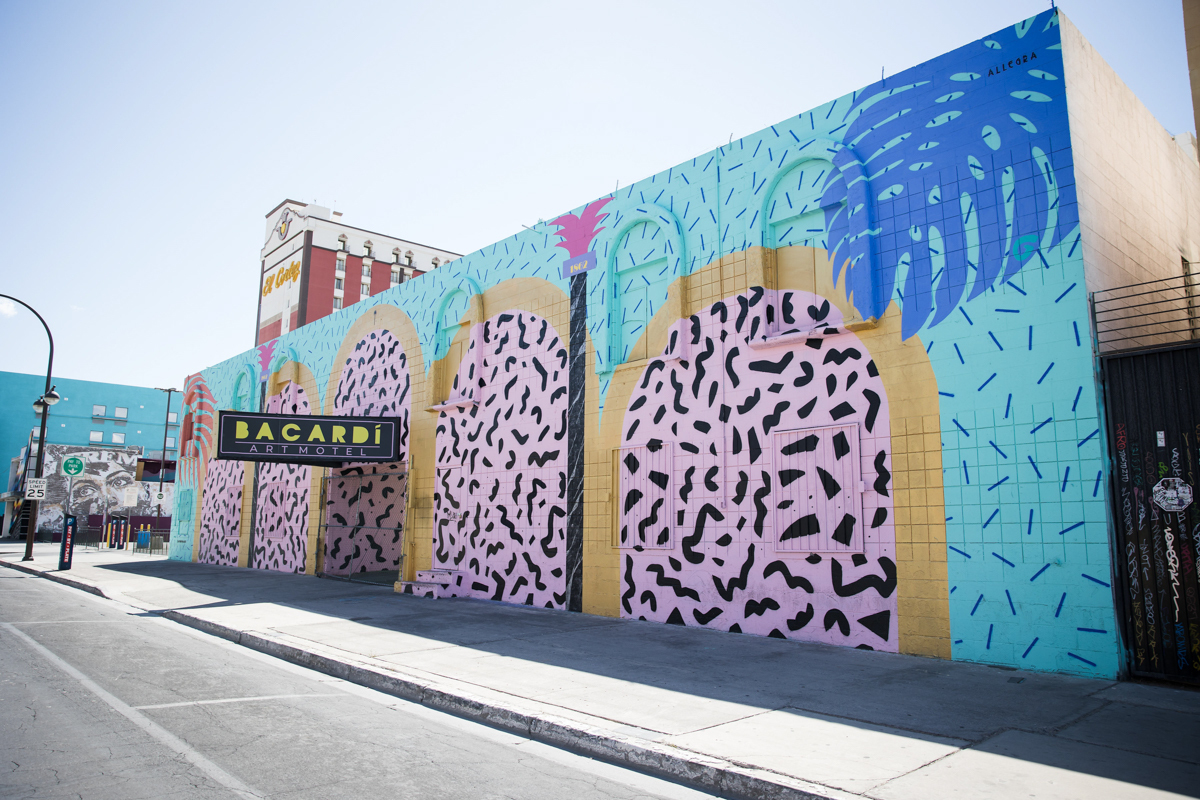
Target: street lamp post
42, 404
162, 464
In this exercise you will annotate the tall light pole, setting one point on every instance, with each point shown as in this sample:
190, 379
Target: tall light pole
42, 405
162, 464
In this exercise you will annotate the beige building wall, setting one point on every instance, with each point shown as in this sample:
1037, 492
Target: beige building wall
1138, 187
1191, 29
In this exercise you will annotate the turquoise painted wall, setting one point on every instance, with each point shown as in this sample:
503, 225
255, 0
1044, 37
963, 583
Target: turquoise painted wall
70, 421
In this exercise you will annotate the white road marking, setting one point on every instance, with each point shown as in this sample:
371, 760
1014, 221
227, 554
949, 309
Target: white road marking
627, 776
154, 729
234, 700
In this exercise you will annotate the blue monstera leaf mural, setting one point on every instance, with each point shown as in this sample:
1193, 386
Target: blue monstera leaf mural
946, 187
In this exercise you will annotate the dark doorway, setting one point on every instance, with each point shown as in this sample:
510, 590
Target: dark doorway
1153, 405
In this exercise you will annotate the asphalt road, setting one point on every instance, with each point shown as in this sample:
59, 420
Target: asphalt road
99, 700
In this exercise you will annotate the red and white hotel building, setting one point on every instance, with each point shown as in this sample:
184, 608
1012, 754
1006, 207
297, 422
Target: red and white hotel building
314, 264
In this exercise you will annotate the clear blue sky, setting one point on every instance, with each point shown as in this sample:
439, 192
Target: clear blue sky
142, 143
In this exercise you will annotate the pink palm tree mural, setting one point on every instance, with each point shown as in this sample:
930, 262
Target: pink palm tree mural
577, 233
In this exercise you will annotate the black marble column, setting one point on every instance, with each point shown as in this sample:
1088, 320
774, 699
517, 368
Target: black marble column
576, 413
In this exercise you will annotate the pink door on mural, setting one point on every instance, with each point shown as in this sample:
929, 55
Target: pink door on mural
820, 488
449, 522
646, 509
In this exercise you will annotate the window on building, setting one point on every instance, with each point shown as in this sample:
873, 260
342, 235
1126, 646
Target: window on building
365, 290
397, 277
338, 283
171, 442
435, 261
366, 272
342, 242
120, 412
341, 264
172, 417
408, 257
98, 411
118, 438
396, 256
337, 303
96, 436
368, 249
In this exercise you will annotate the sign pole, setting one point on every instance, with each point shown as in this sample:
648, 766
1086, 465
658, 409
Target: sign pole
162, 465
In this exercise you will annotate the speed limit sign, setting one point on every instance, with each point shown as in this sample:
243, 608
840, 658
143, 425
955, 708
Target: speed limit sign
35, 489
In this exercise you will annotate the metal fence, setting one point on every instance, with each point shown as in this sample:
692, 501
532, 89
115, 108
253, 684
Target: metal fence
1150, 314
151, 544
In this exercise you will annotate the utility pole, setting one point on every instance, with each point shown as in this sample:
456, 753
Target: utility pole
41, 405
162, 464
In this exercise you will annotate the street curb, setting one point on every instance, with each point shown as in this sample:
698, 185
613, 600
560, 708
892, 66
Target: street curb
74, 584
695, 769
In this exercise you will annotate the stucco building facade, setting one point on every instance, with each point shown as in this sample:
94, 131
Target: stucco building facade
835, 381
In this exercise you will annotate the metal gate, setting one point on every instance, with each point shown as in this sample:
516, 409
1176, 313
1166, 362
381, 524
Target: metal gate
1153, 404
363, 523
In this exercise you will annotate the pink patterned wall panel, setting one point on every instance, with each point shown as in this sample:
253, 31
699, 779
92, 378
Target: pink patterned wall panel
221, 512
366, 501
500, 498
789, 543
281, 521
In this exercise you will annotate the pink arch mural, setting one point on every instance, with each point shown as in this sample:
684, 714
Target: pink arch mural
221, 512
500, 495
365, 511
281, 519
797, 540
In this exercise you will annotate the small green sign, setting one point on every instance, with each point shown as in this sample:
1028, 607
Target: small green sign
72, 466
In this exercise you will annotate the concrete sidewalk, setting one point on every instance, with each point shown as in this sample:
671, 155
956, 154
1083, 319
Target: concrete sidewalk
741, 715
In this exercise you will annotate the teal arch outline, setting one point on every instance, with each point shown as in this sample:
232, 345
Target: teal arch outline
768, 235
672, 231
245, 376
442, 334
859, 203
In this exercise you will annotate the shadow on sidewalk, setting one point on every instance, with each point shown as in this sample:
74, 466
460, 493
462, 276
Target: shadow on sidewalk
716, 677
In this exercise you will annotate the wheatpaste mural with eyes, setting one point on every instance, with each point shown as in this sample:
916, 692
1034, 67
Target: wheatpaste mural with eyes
100, 490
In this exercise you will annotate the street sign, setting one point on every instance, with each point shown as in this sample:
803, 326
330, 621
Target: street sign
72, 466
131, 496
160, 497
35, 488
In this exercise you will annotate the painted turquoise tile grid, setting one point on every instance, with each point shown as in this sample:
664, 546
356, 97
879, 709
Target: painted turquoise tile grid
1028, 561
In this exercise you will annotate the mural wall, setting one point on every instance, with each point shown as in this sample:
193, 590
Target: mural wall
837, 386
773, 458
99, 493
500, 500
366, 502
